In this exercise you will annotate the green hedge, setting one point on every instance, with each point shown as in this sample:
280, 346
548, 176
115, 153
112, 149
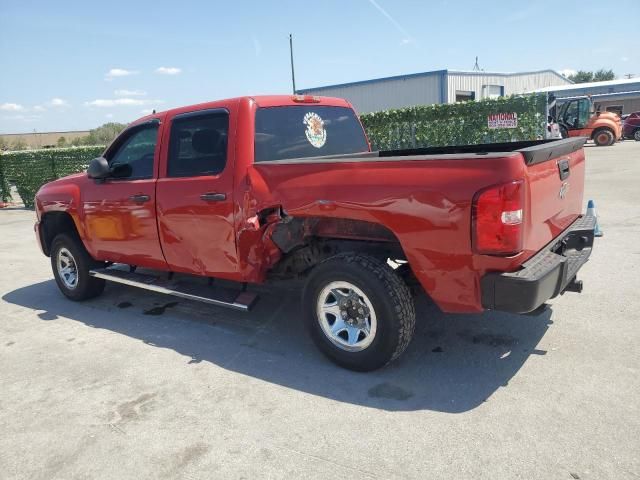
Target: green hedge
28, 170
455, 124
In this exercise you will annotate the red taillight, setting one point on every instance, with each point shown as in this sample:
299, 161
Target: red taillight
497, 219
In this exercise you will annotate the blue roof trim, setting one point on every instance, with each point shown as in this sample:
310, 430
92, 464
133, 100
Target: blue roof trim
375, 80
444, 73
511, 74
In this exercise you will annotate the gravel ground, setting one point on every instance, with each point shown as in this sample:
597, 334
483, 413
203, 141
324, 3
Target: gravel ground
119, 388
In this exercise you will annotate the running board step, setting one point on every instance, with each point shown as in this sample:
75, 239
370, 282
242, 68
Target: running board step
223, 297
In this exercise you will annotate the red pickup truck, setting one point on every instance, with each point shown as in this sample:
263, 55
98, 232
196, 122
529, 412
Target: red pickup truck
255, 189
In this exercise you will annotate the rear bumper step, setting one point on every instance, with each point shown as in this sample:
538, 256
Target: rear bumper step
223, 297
549, 273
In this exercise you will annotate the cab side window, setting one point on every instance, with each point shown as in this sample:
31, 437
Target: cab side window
198, 143
571, 115
133, 158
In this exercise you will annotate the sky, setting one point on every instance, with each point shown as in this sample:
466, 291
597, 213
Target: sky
75, 65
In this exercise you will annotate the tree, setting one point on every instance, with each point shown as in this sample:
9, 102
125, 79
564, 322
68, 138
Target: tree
603, 75
104, 134
76, 142
62, 142
19, 144
583, 76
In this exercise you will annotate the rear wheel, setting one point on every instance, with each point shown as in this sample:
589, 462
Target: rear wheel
359, 313
636, 135
71, 263
604, 137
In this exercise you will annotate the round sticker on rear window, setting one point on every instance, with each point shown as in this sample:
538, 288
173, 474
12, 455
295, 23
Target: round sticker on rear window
315, 132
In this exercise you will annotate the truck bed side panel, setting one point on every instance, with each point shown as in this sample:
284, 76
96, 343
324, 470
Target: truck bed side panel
426, 203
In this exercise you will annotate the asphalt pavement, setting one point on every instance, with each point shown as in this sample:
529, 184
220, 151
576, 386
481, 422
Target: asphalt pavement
135, 385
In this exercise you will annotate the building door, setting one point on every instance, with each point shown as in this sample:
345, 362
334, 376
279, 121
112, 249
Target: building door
465, 96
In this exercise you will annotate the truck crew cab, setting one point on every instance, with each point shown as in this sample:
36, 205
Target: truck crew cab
253, 189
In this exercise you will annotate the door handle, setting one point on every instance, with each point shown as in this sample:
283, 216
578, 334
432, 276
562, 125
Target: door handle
563, 168
213, 197
139, 198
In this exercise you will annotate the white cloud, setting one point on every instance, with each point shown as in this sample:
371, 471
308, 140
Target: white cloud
58, 102
146, 111
567, 72
39, 108
168, 70
123, 92
11, 107
119, 72
110, 102
121, 102
624, 59
109, 115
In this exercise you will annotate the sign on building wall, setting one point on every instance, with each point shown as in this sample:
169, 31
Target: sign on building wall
502, 120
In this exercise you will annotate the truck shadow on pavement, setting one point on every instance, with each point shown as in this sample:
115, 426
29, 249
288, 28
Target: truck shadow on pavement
454, 364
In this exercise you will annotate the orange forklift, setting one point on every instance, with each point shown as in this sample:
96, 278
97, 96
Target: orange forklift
577, 118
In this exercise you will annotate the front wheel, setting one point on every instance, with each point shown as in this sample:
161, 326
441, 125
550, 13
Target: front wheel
359, 313
71, 263
636, 135
604, 138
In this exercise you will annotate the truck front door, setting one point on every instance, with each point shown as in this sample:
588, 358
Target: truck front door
195, 194
120, 211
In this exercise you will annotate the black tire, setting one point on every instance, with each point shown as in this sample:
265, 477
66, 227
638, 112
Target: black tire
603, 137
86, 286
389, 296
636, 135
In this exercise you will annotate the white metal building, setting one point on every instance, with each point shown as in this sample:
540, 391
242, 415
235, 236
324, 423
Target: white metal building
439, 86
620, 96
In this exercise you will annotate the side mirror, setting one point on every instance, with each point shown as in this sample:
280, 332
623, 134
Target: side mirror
98, 168
120, 170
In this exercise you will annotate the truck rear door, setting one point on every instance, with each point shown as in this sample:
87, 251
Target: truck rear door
195, 193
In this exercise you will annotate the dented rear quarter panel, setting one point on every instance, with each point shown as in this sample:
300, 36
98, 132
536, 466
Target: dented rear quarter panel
426, 203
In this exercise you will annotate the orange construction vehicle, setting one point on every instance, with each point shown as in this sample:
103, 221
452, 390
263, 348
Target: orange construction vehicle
577, 118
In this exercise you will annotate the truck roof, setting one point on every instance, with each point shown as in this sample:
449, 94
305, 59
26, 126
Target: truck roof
260, 100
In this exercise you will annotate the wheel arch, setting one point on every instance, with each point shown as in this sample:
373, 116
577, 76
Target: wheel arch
53, 224
307, 241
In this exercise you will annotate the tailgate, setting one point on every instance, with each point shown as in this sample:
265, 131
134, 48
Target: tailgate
555, 173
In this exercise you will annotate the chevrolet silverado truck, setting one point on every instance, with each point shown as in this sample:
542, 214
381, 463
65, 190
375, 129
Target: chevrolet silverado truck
201, 201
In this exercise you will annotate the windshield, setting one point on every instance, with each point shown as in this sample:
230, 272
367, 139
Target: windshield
302, 131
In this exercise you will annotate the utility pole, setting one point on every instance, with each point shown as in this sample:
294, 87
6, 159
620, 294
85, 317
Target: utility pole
293, 75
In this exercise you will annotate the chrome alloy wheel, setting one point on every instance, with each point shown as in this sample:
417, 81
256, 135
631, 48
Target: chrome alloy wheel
346, 316
67, 268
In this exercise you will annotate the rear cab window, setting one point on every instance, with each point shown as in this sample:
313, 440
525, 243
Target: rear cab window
303, 131
198, 143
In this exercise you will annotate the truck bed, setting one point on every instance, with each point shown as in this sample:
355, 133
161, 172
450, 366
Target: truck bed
425, 197
534, 151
